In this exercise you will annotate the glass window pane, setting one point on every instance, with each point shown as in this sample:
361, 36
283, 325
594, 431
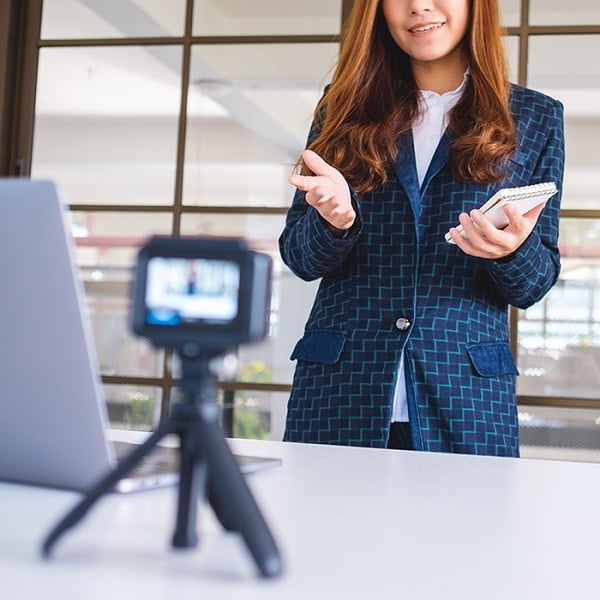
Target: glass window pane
262, 231
579, 243
266, 17
290, 305
291, 297
559, 12
119, 352
243, 154
556, 68
80, 19
511, 12
134, 407
259, 415
511, 43
107, 245
559, 338
106, 123
117, 231
558, 433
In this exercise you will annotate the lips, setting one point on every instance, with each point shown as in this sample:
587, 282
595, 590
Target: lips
426, 27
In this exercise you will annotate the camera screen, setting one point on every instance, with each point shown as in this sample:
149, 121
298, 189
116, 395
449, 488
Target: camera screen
190, 291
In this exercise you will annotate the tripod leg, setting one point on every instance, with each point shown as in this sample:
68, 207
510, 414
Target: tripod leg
105, 485
233, 502
192, 483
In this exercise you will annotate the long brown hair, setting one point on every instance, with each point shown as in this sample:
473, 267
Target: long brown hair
373, 98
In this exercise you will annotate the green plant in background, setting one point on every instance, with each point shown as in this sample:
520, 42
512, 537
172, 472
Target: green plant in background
140, 412
249, 421
256, 371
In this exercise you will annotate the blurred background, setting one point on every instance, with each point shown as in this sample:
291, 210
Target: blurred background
175, 116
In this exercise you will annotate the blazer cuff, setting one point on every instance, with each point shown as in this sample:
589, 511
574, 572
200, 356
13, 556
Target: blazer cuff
523, 264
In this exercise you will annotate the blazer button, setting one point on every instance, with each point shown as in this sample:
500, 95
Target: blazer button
402, 323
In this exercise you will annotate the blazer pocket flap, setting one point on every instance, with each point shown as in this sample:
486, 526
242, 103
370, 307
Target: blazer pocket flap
490, 359
518, 158
320, 346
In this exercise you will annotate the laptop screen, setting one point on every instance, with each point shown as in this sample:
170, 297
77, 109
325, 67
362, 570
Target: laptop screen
52, 412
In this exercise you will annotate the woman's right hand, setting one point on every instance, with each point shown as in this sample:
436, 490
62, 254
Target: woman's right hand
327, 191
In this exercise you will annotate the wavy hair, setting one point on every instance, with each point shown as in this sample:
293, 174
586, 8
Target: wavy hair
373, 98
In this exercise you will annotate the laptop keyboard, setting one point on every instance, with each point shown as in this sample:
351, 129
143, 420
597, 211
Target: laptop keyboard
160, 460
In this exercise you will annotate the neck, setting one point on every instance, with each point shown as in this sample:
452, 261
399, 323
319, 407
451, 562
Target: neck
439, 76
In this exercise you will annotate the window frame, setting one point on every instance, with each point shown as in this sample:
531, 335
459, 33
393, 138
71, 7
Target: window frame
20, 43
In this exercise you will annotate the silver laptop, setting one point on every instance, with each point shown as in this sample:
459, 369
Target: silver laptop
53, 417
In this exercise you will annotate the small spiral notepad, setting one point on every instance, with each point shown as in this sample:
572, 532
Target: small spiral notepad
526, 197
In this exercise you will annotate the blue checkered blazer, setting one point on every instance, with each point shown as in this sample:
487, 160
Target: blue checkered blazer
395, 264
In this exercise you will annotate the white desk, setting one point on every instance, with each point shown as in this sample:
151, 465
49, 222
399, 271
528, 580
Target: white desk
351, 523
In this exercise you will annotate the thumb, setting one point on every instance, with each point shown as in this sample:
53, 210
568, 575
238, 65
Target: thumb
317, 165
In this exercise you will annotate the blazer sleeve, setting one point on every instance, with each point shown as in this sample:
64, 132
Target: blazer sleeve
534, 268
306, 245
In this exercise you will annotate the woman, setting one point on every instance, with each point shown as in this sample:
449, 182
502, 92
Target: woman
407, 345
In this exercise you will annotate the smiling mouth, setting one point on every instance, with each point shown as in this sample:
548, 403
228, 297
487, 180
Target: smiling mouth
426, 28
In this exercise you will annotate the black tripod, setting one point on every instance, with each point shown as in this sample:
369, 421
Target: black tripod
207, 467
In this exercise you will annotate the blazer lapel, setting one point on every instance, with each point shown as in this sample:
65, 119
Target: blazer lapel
406, 171
406, 168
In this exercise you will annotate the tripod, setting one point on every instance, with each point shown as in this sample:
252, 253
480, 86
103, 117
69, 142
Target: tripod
206, 467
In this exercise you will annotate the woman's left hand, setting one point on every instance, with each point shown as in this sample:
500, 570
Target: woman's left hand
480, 238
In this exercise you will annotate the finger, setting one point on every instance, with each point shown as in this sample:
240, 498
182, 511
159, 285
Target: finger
482, 224
454, 235
512, 214
468, 225
479, 232
518, 220
522, 225
303, 182
317, 165
318, 189
462, 240
475, 244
